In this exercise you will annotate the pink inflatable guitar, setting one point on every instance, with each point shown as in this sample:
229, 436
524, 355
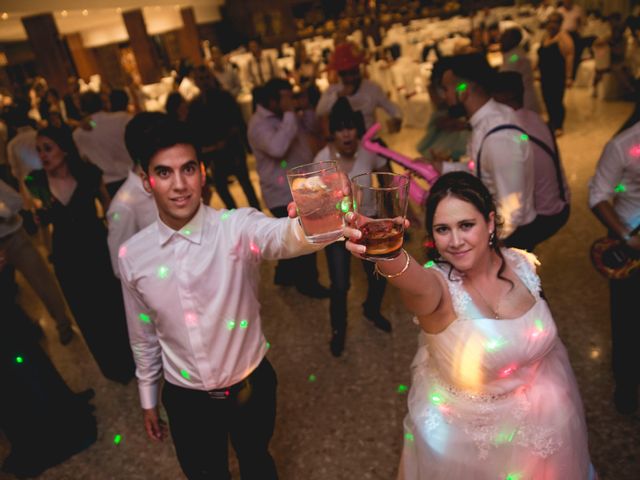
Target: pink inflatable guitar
423, 170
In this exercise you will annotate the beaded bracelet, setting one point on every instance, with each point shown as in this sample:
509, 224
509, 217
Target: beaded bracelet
394, 275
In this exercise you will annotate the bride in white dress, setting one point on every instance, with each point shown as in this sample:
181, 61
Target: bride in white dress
493, 396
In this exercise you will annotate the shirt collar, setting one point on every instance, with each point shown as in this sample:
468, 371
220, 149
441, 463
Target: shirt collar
192, 231
481, 113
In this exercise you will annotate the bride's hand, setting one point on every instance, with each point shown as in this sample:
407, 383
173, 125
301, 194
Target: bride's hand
353, 235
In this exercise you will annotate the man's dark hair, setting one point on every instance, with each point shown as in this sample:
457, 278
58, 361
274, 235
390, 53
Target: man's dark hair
509, 83
160, 132
342, 116
271, 91
90, 102
119, 100
472, 67
135, 133
510, 39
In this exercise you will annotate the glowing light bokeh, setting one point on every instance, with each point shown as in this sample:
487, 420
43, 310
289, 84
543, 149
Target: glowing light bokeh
505, 372
402, 389
505, 436
429, 264
268, 345
280, 180
254, 248
524, 137
190, 319
163, 272
283, 164
122, 251
495, 344
185, 374
227, 214
514, 58
620, 188
231, 324
186, 231
312, 378
117, 439
461, 87
635, 151
409, 437
144, 318
472, 165
244, 323
436, 398
513, 476
19, 359
115, 216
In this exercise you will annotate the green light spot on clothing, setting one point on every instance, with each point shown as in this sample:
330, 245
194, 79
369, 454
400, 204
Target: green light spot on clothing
409, 437
117, 439
429, 264
268, 345
19, 359
513, 476
185, 374
244, 324
402, 389
163, 272
115, 217
620, 188
312, 378
231, 324
283, 164
539, 325
494, 344
524, 137
186, 231
144, 318
437, 398
514, 58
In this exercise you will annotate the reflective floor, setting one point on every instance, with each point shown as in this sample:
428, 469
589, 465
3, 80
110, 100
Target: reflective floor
341, 419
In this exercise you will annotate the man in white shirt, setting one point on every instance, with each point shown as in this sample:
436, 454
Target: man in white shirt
261, 67
103, 144
21, 149
363, 95
499, 148
225, 72
133, 208
614, 197
572, 20
551, 192
190, 283
515, 59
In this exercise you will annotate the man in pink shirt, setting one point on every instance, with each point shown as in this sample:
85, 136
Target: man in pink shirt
551, 191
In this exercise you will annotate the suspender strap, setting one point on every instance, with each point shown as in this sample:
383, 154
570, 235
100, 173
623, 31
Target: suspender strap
553, 153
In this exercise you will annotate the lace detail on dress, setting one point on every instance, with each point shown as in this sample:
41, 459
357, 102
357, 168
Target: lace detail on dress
459, 297
525, 264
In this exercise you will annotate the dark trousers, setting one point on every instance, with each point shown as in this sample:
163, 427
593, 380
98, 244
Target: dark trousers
339, 263
553, 95
543, 227
202, 424
300, 271
625, 330
228, 161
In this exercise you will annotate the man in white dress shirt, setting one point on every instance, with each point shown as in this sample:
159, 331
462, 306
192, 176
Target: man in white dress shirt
499, 147
21, 149
261, 67
364, 95
133, 208
190, 283
614, 197
103, 144
515, 59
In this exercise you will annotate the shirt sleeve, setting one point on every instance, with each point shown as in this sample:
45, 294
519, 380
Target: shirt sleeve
10, 201
327, 99
275, 141
609, 173
505, 159
383, 102
143, 339
122, 226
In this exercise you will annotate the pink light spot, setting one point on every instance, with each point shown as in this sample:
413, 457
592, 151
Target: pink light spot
634, 151
122, 251
505, 372
152, 182
472, 165
190, 319
280, 180
445, 409
254, 248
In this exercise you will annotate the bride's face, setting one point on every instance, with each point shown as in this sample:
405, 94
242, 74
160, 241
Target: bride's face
461, 233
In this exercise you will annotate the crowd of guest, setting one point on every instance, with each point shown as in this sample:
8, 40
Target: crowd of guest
75, 183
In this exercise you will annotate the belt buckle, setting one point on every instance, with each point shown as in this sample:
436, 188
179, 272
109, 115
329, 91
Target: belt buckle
219, 394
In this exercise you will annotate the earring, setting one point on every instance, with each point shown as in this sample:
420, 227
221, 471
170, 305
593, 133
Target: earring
492, 239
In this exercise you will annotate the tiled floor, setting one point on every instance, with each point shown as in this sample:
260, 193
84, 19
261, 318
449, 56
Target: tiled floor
341, 419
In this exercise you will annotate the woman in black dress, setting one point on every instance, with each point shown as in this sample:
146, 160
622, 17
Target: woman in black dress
555, 61
65, 191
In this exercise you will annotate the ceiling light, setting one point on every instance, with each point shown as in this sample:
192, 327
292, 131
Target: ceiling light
64, 13
4, 15
85, 12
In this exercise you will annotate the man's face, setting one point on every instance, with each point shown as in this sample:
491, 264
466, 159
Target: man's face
346, 141
449, 84
175, 180
351, 77
286, 102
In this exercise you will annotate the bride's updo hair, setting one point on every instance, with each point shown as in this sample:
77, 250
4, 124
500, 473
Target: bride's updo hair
468, 188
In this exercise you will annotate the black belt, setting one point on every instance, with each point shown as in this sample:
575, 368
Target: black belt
233, 390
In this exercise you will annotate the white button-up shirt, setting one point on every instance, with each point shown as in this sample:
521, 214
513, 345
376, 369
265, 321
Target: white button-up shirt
104, 144
191, 296
367, 98
516, 60
131, 210
617, 176
507, 164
